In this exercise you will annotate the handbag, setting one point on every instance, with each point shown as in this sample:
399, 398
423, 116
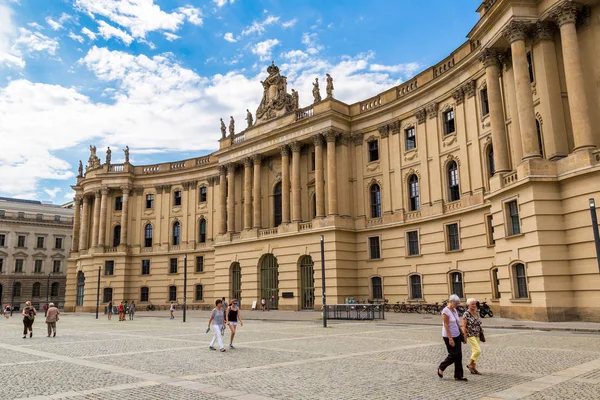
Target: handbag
481, 336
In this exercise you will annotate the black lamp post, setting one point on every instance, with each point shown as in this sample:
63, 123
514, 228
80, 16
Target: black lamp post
12, 302
47, 294
184, 286
323, 281
98, 292
595, 229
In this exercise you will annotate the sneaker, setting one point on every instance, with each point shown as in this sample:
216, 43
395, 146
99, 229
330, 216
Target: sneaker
54, 334
212, 348
30, 334
223, 350
231, 346
24, 337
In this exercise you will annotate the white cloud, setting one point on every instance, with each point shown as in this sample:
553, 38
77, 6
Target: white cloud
107, 31
29, 42
35, 25
407, 69
264, 49
53, 24
310, 40
78, 38
170, 36
294, 54
52, 192
229, 37
193, 14
289, 24
221, 3
88, 33
8, 33
259, 27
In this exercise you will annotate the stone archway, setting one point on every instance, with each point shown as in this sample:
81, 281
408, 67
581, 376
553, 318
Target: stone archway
269, 280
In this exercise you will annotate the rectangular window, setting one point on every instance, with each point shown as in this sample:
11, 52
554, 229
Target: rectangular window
145, 267
373, 146
411, 139
521, 279
118, 203
57, 218
37, 268
200, 264
39, 217
495, 284
203, 194
144, 294
374, 249
199, 294
21, 241
58, 243
416, 291
173, 266
107, 295
56, 266
530, 67
150, 200
177, 198
109, 267
1, 265
172, 293
413, 243
485, 105
40, 242
513, 218
453, 238
312, 161
449, 122
19, 265
2, 240
377, 287
490, 230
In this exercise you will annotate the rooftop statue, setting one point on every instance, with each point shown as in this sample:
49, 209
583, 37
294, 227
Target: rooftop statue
316, 92
249, 118
295, 99
80, 170
276, 101
329, 87
93, 161
108, 155
126, 150
231, 126
223, 129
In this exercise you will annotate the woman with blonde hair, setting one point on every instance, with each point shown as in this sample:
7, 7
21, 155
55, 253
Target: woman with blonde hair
471, 327
28, 313
232, 317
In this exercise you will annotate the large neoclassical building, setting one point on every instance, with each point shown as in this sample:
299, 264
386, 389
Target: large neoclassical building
472, 178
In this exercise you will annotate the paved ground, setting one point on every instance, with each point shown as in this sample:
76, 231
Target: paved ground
155, 358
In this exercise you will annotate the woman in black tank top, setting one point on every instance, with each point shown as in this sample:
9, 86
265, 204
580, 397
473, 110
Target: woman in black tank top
233, 316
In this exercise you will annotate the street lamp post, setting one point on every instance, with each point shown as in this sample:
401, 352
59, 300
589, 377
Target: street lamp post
98, 292
12, 302
47, 293
595, 229
184, 286
323, 281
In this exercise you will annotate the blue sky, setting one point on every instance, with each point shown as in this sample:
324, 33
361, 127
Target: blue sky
158, 74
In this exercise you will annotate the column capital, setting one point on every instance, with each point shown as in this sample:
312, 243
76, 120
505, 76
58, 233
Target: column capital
231, 168
345, 138
458, 95
432, 109
544, 31
97, 193
186, 185
357, 138
248, 162
318, 139
489, 57
420, 115
257, 159
384, 131
166, 188
138, 190
505, 59
469, 88
213, 180
566, 12
77, 200
515, 31
222, 169
158, 189
125, 189
105, 191
86, 199
331, 135
296, 147
285, 150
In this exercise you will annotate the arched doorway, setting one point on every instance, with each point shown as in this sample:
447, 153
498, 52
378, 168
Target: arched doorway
80, 286
236, 282
269, 280
307, 283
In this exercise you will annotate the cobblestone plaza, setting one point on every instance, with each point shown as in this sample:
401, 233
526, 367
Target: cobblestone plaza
156, 358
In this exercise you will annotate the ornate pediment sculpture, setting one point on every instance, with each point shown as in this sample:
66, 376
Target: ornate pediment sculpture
276, 101
93, 161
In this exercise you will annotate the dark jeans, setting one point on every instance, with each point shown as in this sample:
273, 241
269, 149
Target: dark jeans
27, 325
454, 357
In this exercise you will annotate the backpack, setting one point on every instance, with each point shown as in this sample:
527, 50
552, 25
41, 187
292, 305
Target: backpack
31, 315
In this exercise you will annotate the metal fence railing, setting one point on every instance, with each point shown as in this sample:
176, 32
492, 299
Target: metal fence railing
359, 312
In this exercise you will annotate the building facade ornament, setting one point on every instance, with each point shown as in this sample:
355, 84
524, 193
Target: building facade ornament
458, 95
357, 138
159, 189
257, 159
384, 131
108, 155
329, 87
469, 88
544, 30
489, 57
248, 162
186, 185
97, 194
166, 188
505, 59
394, 127
295, 147
284, 150
126, 151
566, 12
516, 30
331, 135
432, 109
316, 93
105, 191
231, 126
420, 115
249, 118
223, 129
276, 101
345, 138
317, 139
138, 190
231, 168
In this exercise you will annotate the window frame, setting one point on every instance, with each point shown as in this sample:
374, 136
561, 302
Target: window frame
40, 240
2, 240
176, 238
116, 242
146, 267
118, 203
148, 240
147, 294
408, 138
177, 198
489, 229
517, 295
452, 274
17, 288
530, 67
199, 263
485, 103
380, 286
105, 291
453, 181
21, 241
58, 243
512, 216
38, 263
495, 281
412, 285
375, 206
449, 123
201, 297
173, 265
19, 262
172, 292
370, 247
414, 202
203, 194
56, 266
149, 201
447, 236
202, 235
408, 243
55, 289
373, 150
491, 162
109, 266
36, 293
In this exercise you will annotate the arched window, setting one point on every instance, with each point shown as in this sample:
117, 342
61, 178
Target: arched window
54, 289
376, 287
375, 201
36, 290
107, 295
413, 193
148, 235
490, 159
202, 236
416, 288
456, 283
17, 289
453, 186
176, 233
116, 235
538, 128
277, 207
80, 288
520, 277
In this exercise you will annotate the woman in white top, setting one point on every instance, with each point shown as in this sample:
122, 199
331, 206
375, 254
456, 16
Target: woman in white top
451, 333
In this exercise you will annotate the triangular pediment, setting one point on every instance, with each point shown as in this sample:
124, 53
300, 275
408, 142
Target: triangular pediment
39, 255
58, 255
3, 254
20, 254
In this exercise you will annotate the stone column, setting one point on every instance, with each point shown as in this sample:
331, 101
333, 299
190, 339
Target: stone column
247, 193
76, 223
285, 184
489, 58
222, 200
332, 208
510, 109
231, 197
85, 222
95, 218
565, 15
102, 231
296, 204
257, 159
319, 183
124, 214
515, 34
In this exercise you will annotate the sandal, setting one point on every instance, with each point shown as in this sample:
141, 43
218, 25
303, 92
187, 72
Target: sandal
472, 370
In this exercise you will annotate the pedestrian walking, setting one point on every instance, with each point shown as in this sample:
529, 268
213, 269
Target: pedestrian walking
263, 302
109, 310
172, 310
121, 312
216, 322
472, 330
7, 311
131, 310
29, 314
51, 319
233, 317
453, 338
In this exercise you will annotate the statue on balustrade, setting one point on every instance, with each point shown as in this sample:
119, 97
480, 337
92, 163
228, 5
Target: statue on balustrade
231, 126
316, 92
276, 101
80, 170
295, 99
249, 118
93, 161
126, 150
108, 155
223, 129
329, 87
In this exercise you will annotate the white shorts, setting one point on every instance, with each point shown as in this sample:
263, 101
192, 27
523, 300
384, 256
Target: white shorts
232, 323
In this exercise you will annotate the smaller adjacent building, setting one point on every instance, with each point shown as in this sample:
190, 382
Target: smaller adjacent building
35, 241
